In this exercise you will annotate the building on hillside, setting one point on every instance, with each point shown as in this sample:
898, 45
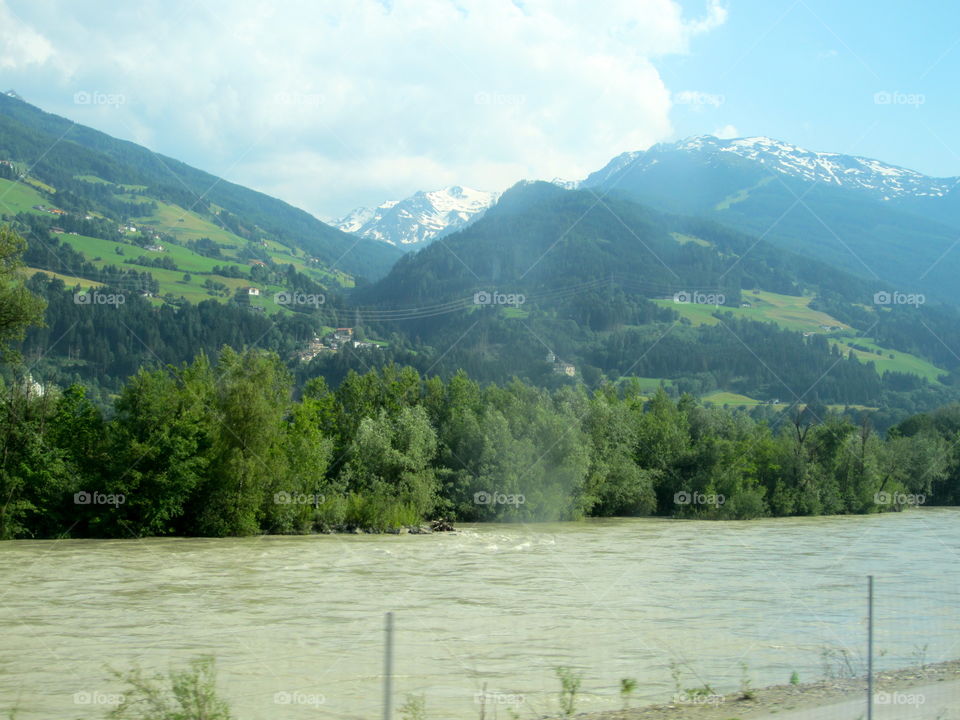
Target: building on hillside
343, 334
253, 291
32, 388
314, 348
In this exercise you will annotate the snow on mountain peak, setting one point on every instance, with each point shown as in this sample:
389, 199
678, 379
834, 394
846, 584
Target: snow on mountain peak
847, 171
420, 218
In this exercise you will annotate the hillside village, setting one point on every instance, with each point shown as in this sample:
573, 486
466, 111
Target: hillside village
334, 341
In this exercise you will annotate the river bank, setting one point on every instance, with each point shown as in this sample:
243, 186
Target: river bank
904, 687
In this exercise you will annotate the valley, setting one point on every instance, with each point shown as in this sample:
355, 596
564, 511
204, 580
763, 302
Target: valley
320, 398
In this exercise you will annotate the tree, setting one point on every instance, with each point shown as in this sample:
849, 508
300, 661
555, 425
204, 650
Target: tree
19, 308
161, 443
250, 397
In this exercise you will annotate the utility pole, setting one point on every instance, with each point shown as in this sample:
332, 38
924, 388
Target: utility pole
869, 647
388, 670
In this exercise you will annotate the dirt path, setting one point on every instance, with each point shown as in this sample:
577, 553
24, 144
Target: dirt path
929, 693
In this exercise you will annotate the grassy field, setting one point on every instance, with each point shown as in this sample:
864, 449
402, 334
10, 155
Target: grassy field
899, 362
186, 225
794, 313
69, 280
182, 224
16, 197
740, 195
788, 311
93, 179
684, 239
647, 384
722, 397
39, 185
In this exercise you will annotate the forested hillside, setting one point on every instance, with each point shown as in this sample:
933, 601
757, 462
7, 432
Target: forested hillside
83, 170
619, 290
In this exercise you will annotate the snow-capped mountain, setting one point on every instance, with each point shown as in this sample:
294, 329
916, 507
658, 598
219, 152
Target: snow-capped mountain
846, 171
420, 218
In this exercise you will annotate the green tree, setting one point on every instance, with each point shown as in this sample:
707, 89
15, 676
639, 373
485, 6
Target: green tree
161, 439
19, 308
251, 395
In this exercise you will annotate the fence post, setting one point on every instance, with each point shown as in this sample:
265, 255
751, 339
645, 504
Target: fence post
869, 647
388, 670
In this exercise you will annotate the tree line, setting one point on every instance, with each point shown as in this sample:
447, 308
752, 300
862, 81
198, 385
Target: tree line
225, 448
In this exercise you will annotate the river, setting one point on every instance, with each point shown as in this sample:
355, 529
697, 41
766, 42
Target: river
296, 623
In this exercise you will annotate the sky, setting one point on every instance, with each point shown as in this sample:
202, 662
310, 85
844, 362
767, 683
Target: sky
335, 104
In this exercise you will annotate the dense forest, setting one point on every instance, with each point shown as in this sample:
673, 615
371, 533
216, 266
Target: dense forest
223, 449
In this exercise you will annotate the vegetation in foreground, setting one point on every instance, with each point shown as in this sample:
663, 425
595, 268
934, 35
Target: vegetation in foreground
190, 693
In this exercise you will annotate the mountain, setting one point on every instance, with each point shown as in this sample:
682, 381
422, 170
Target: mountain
889, 224
420, 218
621, 291
73, 159
880, 180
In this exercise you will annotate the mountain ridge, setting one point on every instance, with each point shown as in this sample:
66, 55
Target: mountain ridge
420, 218
840, 169
61, 148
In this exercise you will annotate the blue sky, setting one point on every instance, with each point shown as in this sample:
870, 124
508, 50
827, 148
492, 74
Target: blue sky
335, 104
807, 72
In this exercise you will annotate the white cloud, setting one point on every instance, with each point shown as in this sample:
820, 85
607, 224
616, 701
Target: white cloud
348, 102
697, 100
20, 45
726, 132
